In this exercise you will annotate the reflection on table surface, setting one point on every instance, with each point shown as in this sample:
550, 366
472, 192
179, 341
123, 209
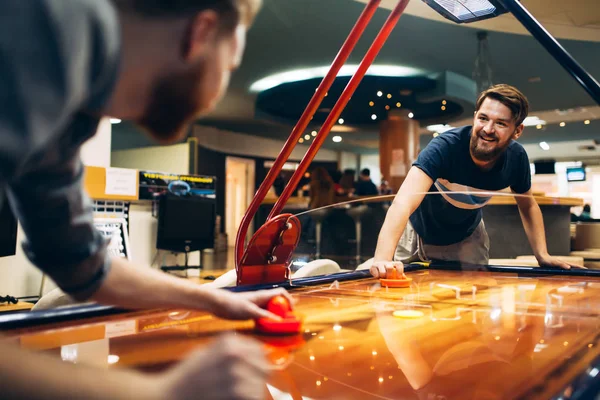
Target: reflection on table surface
480, 335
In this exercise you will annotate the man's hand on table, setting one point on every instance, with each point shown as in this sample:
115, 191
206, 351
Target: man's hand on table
383, 269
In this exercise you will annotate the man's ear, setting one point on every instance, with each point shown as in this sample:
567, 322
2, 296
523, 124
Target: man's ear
518, 132
202, 31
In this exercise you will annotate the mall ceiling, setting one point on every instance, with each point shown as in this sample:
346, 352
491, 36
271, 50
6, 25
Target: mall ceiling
436, 58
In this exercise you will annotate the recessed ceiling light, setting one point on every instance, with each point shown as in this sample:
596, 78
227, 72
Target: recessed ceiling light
371, 103
398, 104
373, 117
533, 121
545, 146
444, 102
300, 140
115, 121
306, 137
113, 359
443, 108
341, 121
387, 107
379, 94
587, 122
410, 115
314, 133
439, 128
337, 139
562, 124
389, 96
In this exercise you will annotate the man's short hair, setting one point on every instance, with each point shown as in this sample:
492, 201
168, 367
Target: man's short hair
366, 172
233, 12
511, 97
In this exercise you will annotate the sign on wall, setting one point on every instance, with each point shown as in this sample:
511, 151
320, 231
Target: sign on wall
154, 184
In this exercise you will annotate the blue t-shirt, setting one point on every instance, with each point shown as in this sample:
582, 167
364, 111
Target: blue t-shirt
447, 218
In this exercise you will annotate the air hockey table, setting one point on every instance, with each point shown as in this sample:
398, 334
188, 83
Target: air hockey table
457, 332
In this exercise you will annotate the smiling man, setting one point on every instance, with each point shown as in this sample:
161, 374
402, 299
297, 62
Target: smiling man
460, 165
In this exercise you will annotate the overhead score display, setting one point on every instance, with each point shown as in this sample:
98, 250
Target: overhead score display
154, 184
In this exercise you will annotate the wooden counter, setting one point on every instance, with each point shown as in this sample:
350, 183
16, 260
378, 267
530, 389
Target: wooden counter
541, 200
495, 200
501, 217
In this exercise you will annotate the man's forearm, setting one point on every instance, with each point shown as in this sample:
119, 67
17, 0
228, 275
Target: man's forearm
133, 287
391, 231
54, 379
533, 223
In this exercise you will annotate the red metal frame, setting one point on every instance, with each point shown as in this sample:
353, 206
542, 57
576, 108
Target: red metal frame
272, 235
298, 130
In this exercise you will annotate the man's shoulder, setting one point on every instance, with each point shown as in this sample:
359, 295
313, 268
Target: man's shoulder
451, 142
459, 133
516, 151
77, 43
452, 137
516, 147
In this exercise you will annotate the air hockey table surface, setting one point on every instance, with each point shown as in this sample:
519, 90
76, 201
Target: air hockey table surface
477, 333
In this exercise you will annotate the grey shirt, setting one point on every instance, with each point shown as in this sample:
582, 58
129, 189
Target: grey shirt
58, 63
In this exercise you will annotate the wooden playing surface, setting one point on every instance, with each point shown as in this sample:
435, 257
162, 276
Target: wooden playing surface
481, 335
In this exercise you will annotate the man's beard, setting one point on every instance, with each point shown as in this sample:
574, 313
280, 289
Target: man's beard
485, 155
174, 105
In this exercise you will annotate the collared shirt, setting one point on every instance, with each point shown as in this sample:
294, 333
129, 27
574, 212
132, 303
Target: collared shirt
58, 61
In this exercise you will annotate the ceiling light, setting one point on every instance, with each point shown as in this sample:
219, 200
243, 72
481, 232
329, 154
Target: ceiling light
562, 124
444, 102
341, 121
398, 104
387, 107
300, 140
389, 96
274, 80
464, 11
337, 139
373, 117
443, 108
371, 103
410, 115
379, 94
533, 121
439, 128
314, 133
587, 122
545, 146
306, 137
113, 359
115, 121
